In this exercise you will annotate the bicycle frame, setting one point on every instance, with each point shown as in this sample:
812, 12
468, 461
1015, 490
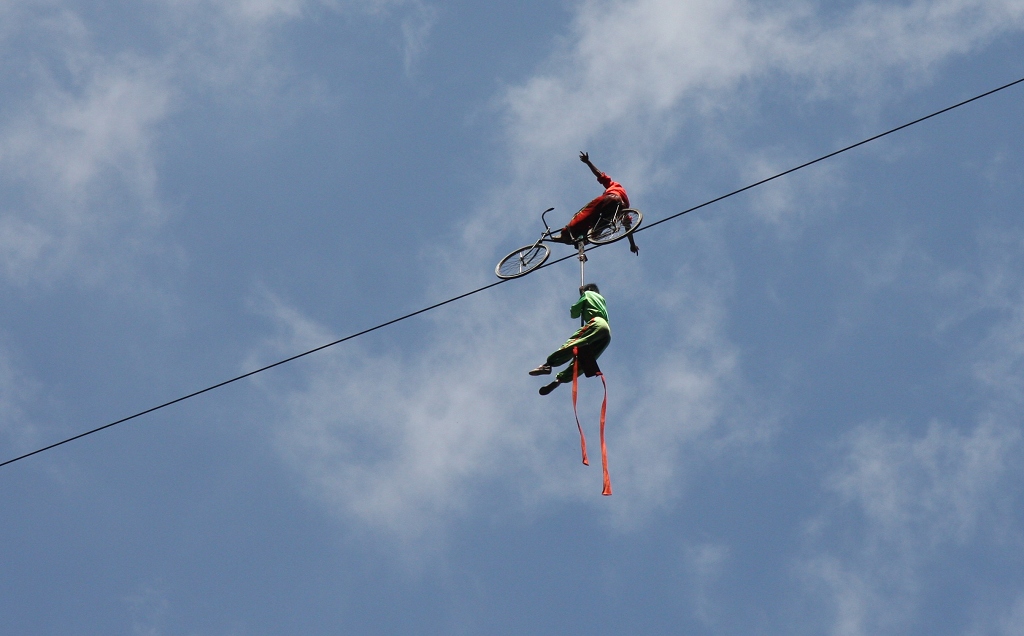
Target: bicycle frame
548, 233
526, 259
603, 218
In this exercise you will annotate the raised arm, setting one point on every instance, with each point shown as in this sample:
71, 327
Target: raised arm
585, 158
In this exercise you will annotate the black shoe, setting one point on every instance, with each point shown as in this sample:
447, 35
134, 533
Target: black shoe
543, 369
548, 388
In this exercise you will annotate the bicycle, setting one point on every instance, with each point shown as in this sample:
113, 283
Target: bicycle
623, 222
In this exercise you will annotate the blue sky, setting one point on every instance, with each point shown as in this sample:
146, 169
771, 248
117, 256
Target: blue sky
815, 386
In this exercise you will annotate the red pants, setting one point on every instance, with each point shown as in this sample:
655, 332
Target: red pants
585, 219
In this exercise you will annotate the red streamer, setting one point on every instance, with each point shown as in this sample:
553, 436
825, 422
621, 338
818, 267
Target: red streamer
575, 390
607, 486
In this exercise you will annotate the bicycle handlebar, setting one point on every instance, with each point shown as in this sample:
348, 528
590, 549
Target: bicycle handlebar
544, 221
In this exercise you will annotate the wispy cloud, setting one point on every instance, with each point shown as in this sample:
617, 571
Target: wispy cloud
1012, 623
417, 25
632, 76
638, 81
406, 440
706, 564
632, 66
398, 439
923, 490
80, 131
148, 609
76, 149
902, 499
86, 108
16, 392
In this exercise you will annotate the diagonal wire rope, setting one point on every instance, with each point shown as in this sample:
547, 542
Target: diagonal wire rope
500, 282
829, 155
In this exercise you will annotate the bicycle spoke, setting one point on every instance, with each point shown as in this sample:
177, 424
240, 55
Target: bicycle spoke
524, 260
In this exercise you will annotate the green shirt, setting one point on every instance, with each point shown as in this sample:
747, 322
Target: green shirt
589, 305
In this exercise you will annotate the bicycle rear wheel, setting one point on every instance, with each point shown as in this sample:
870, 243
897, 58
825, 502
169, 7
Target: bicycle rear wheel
623, 223
522, 261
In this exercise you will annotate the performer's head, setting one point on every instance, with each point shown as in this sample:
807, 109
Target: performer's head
589, 287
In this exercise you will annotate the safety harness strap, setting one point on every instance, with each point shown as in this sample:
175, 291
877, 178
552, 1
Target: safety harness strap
607, 486
607, 490
575, 390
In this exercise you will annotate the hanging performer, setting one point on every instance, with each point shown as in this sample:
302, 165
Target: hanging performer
583, 349
604, 205
589, 341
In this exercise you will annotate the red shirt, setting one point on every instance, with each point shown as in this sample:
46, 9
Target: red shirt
613, 187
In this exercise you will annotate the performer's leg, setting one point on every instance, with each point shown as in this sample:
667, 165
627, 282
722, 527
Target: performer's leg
588, 355
564, 353
583, 220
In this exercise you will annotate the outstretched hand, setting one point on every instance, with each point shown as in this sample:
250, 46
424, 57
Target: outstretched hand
585, 158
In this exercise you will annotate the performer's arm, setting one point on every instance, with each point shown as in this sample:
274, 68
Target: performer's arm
585, 158
577, 309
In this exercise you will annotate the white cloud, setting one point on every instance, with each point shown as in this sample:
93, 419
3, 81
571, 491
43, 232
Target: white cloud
631, 75
902, 502
859, 607
999, 366
927, 490
261, 10
788, 205
706, 563
233, 42
1004, 621
633, 66
406, 440
256, 12
417, 25
67, 138
687, 402
396, 439
76, 153
634, 79
1013, 623
16, 392
22, 246
148, 609
80, 129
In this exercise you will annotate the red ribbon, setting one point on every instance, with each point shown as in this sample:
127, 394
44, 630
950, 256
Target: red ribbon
607, 490
575, 390
607, 487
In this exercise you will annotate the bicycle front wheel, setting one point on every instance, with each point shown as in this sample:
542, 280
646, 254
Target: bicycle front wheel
522, 261
624, 223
